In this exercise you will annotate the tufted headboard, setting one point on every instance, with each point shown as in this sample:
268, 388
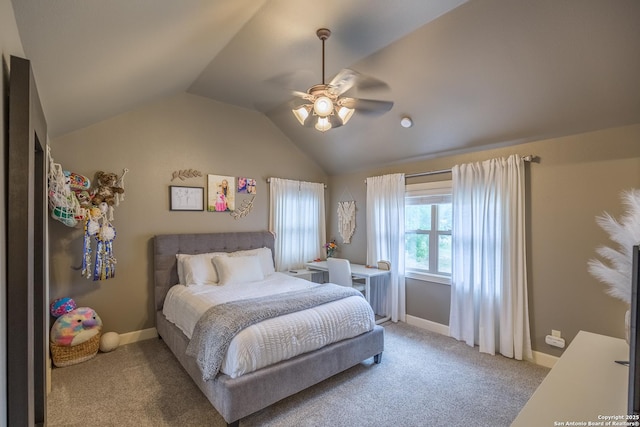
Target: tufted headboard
166, 246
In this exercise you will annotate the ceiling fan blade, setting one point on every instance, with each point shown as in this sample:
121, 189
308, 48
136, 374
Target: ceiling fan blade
365, 82
303, 95
368, 106
343, 81
348, 79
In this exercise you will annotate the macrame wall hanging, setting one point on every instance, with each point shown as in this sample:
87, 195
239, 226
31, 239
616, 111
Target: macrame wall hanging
347, 217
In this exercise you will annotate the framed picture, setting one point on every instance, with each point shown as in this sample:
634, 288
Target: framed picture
221, 193
186, 198
246, 185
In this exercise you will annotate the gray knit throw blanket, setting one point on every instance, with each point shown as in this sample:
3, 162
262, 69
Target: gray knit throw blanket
219, 324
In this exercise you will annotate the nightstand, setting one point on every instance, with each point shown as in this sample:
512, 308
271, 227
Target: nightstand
301, 273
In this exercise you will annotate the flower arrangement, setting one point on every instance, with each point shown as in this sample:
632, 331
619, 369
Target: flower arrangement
331, 248
626, 233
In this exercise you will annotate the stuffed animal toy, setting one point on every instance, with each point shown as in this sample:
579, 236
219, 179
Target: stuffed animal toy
84, 198
76, 327
61, 306
106, 188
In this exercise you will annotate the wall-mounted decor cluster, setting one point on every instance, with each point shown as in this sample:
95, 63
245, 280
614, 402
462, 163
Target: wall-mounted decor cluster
222, 191
74, 202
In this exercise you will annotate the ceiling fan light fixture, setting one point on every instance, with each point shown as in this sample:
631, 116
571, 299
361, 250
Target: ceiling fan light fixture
323, 124
323, 106
345, 114
328, 101
301, 113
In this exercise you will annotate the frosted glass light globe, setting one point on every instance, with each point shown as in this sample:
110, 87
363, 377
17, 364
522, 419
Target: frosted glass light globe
323, 106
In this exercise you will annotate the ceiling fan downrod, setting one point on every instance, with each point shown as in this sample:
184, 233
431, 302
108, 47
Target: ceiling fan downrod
323, 34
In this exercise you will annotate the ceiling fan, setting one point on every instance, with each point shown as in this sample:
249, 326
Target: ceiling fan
327, 103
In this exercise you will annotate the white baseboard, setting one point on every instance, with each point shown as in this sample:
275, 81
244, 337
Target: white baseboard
539, 358
428, 325
544, 359
141, 335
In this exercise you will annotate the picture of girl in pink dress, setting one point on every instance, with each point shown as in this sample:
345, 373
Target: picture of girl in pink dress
221, 193
221, 201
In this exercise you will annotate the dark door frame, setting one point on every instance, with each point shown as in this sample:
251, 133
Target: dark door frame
25, 251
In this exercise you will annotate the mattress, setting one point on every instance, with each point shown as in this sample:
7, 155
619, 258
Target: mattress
276, 339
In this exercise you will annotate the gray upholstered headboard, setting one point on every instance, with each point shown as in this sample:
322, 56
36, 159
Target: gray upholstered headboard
166, 246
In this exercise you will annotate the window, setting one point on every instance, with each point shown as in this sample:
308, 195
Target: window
427, 226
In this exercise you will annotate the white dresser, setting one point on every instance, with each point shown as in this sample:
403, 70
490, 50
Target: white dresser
584, 386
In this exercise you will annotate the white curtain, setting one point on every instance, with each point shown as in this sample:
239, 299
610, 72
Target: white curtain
385, 240
297, 217
489, 278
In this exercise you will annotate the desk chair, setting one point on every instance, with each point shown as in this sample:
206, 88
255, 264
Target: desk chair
340, 274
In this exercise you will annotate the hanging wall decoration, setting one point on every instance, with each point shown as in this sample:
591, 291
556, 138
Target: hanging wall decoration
346, 216
186, 173
98, 227
108, 192
245, 207
347, 219
73, 201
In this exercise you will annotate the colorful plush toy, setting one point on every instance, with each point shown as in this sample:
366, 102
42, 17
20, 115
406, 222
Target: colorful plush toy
75, 327
61, 306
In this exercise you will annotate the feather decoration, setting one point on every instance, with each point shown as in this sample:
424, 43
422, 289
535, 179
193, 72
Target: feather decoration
616, 271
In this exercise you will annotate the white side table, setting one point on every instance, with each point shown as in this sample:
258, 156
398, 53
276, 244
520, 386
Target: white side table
301, 273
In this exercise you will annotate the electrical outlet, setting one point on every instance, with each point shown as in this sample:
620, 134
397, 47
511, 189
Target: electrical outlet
555, 333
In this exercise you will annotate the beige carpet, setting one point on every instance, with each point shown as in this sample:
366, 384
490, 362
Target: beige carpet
425, 379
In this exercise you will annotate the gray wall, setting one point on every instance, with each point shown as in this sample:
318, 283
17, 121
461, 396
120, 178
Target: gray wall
180, 132
578, 178
11, 45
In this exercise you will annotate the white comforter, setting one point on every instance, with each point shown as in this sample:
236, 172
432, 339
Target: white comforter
276, 339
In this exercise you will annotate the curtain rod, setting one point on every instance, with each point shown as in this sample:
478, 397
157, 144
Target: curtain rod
325, 185
527, 158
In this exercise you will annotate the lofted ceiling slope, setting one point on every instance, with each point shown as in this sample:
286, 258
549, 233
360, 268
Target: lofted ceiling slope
471, 74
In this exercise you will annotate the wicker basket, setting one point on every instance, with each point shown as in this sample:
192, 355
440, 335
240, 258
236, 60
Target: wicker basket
64, 355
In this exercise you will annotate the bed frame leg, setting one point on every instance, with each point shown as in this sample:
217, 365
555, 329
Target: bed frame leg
236, 423
377, 359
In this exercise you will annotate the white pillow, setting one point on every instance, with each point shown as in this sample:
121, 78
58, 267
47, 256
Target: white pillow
200, 269
238, 269
265, 256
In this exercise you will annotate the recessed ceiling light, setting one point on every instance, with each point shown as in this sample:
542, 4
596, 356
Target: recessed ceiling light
406, 122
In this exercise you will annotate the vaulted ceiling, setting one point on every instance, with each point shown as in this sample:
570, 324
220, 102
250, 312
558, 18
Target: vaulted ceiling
471, 74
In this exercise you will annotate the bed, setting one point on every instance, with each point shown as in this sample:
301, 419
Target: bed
237, 397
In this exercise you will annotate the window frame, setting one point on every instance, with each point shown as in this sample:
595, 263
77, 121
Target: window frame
437, 188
